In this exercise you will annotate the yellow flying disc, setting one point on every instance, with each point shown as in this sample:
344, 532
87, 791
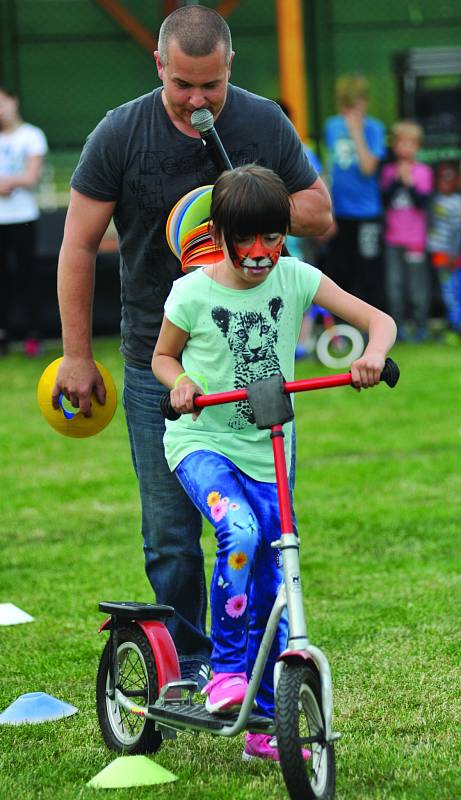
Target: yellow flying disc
70, 421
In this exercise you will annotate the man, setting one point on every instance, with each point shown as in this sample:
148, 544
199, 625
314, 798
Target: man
139, 160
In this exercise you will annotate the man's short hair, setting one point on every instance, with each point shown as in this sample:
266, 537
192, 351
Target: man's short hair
198, 31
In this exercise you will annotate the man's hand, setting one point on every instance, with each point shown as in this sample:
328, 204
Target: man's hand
78, 379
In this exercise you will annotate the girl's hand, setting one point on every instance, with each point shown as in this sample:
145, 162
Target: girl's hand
405, 174
366, 370
182, 398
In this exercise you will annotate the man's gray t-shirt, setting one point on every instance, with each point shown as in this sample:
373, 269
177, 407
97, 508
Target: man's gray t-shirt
137, 157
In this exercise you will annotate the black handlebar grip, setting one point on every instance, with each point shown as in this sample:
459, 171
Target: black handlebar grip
167, 409
390, 373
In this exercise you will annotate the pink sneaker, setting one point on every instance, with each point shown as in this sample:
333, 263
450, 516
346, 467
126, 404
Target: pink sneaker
259, 745
225, 692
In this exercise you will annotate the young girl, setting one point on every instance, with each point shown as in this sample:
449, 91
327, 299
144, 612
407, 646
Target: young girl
227, 325
407, 185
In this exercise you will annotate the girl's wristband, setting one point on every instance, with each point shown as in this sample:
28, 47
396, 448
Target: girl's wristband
202, 381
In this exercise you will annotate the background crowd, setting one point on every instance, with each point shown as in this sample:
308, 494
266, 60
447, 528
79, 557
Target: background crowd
396, 236
395, 240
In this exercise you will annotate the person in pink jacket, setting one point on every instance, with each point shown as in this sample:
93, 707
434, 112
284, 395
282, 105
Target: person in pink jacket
406, 186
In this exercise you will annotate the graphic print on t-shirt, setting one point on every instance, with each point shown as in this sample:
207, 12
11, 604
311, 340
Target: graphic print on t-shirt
252, 338
345, 153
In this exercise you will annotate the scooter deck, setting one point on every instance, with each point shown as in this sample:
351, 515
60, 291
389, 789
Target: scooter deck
195, 716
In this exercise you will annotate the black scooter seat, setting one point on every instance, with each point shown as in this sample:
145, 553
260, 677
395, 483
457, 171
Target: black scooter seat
132, 611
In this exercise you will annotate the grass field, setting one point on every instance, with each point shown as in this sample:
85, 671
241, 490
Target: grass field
379, 506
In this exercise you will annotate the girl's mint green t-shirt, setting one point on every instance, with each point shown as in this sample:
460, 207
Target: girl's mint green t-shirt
237, 337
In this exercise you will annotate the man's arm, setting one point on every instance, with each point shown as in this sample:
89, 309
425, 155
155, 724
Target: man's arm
86, 222
311, 210
310, 206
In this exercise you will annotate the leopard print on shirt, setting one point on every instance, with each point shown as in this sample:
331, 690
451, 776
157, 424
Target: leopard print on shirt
252, 338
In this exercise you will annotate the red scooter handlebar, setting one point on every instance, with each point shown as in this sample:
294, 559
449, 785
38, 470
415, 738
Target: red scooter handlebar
390, 375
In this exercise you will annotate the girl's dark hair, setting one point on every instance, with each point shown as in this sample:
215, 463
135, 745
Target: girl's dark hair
248, 200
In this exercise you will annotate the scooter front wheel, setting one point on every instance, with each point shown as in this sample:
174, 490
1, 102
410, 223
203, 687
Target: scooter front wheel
121, 730
300, 725
339, 346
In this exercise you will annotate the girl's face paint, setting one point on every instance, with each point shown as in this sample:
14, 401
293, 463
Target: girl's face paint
260, 252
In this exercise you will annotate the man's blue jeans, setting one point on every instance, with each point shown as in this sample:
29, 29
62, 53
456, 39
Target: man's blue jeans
171, 525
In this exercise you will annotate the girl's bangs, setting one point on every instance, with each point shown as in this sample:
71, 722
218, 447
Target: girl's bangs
247, 217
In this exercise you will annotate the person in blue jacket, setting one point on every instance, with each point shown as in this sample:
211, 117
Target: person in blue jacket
355, 144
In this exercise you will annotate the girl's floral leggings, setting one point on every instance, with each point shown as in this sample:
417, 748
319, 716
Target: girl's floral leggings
248, 571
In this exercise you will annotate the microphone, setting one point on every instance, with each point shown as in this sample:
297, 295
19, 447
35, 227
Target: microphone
202, 121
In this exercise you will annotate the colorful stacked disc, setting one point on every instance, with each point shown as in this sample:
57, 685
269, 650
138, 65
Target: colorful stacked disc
187, 230
175, 214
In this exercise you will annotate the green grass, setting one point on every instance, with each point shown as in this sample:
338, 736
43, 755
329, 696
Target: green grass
379, 506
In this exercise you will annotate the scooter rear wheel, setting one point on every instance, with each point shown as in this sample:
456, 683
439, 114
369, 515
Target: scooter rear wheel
121, 730
298, 720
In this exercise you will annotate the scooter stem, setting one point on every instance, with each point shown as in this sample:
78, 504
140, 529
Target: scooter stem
289, 545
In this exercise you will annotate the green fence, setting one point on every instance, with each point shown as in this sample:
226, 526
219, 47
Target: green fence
69, 61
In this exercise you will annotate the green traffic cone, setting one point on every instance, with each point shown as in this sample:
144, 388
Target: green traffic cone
131, 771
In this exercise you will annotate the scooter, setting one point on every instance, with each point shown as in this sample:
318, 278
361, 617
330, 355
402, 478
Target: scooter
141, 698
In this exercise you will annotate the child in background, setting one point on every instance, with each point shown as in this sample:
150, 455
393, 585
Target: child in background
355, 144
22, 150
232, 323
406, 186
444, 242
